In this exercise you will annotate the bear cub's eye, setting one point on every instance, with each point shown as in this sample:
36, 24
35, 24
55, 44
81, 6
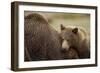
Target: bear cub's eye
68, 40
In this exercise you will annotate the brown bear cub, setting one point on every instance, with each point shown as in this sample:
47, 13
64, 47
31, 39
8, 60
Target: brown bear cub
75, 40
41, 41
71, 53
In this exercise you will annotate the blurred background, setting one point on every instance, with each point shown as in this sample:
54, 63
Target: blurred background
67, 19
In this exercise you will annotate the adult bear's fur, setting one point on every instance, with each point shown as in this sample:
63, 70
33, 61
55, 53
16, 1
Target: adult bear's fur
41, 41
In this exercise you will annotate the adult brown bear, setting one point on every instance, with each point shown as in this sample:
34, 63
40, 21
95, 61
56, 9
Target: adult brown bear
42, 42
76, 39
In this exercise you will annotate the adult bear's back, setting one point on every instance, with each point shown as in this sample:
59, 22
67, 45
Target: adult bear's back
41, 41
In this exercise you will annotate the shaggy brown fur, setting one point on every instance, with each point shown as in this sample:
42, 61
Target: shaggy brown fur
70, 54
77, 39
41, 41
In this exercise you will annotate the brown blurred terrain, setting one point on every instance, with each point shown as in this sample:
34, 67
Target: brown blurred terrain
67, 19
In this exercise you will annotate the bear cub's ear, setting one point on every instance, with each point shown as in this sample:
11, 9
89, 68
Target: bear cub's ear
75, 30
62, 27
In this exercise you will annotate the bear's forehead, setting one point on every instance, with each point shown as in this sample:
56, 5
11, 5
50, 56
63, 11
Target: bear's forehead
67, 31
66, 34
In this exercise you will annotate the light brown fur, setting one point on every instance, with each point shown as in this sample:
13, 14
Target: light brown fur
76, 38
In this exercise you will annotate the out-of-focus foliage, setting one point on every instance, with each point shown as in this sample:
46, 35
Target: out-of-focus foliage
67, 19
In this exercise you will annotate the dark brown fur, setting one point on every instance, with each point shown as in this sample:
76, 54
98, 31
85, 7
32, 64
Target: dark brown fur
70, 54
76, 40
41, 41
